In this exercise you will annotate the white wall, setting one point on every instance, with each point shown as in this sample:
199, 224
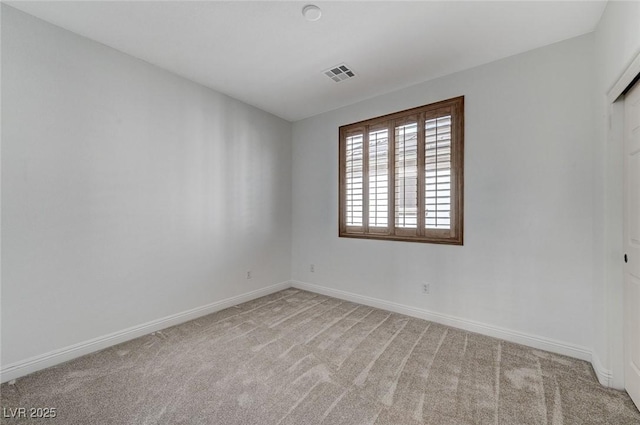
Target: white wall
128, 193
617, 43
526, 264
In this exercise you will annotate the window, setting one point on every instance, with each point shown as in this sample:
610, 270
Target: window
401, 175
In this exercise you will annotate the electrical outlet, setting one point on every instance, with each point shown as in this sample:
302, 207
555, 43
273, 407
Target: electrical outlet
426, 288
249, 275
312, 268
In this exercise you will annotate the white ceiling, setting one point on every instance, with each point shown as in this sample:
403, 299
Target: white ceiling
266, 54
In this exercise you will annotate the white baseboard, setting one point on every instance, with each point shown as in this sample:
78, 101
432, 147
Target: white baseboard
605, 377
534, 341
52, 358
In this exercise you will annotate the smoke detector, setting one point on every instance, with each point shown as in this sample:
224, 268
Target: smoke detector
339, 73
311, 12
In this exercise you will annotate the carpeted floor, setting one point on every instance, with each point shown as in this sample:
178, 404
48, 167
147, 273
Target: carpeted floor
299, 358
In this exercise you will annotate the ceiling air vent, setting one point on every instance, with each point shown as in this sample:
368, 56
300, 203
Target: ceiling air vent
339, 73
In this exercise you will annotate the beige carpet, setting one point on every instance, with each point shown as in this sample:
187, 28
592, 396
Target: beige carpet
299, 358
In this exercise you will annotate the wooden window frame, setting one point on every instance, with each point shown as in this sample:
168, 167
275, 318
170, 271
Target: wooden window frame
451, 236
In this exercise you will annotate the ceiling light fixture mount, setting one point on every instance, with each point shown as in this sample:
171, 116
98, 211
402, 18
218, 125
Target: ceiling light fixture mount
311, 12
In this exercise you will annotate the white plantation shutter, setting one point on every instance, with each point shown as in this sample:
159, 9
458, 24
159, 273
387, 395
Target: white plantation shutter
379, 178
401, 175
438, 173
406, 174
354, 179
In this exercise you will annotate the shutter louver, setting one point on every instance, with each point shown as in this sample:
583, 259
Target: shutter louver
379, 178
406, 175
438, 173
354, 180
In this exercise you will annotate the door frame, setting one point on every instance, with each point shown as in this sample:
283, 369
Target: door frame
614, 288
625, 81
